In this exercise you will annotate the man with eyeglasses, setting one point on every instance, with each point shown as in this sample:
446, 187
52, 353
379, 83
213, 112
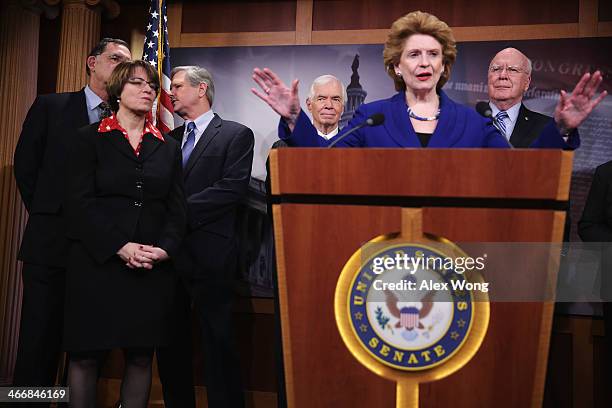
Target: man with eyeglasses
40, 167
508, 80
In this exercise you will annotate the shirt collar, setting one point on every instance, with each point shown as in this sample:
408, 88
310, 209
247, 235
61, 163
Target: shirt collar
202, 121
111, 123
330, 134
92, 99
512, 112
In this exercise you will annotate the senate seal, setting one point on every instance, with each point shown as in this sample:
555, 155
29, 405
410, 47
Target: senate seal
412, 310
413, 315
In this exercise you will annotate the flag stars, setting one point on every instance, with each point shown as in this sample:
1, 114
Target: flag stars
149, 26
155, 33
154, 14
150, 44
153, 63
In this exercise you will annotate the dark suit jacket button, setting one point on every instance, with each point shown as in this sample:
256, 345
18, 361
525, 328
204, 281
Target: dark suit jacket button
139, 167
137, 203
139, 184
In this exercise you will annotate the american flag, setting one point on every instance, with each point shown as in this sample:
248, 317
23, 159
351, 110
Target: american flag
156, 51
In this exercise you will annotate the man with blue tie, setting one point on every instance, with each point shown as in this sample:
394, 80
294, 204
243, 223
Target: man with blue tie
217, 159
40, 172
508, 80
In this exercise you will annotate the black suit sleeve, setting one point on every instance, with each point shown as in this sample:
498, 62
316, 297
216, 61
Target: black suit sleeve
30, 150
176, 219
593, 226
99, 235
212, 202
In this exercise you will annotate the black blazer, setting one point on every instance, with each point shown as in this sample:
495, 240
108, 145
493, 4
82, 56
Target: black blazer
529, 125
40, 172
115, 197
216, 180
595, 225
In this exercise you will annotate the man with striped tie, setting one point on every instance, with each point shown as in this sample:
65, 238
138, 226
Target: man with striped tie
508, 80
217, 159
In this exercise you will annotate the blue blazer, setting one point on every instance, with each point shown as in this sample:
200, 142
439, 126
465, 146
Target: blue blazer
458, 127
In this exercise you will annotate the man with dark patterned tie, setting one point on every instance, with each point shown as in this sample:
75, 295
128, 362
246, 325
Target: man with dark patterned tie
217, 159
40, 167
508, 80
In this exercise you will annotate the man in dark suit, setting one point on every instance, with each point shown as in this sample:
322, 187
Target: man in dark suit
508, 80
217, 159
596, 226
40, 171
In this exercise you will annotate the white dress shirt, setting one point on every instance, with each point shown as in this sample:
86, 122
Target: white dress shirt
330, 134
93, 102
201, 123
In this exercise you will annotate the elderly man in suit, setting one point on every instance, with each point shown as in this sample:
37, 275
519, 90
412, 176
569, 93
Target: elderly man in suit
325, 103
508, 79
40, 171
217, 159
595, 226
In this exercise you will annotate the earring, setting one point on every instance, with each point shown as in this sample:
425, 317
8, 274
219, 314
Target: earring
399, 74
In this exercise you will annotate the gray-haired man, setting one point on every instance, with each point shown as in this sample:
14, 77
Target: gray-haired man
217, 158
325, 103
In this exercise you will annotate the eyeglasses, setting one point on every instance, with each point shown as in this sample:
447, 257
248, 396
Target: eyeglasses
140, 82
510, 70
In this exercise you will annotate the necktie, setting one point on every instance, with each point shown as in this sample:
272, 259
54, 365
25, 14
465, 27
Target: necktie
105, 110
189, 143
500, 120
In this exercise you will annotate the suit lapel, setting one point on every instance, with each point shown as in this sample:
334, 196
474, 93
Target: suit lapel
403, 135
149, 144
77, 109
209, 134
521, 136
119, 142
73, 114
177, 134
450, 125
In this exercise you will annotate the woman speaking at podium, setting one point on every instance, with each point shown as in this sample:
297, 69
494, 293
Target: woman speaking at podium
418, 55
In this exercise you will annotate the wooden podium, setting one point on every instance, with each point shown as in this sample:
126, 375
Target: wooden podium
327, 203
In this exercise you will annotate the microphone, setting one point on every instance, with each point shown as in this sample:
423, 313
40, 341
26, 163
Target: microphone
374, 120
484, 109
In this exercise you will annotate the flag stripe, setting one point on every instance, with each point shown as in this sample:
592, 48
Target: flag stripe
156, 51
